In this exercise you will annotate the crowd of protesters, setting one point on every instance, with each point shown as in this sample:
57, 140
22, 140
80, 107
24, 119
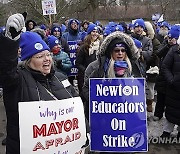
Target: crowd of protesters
115, 50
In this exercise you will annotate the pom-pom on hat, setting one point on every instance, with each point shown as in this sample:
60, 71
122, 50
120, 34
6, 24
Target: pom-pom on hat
52, 41
139, 22
174, 32
91, 27
31, 43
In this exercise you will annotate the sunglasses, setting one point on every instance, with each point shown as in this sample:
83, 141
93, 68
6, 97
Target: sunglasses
118, 50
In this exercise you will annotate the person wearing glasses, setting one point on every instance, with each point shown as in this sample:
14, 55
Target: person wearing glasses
34, 80
118, 57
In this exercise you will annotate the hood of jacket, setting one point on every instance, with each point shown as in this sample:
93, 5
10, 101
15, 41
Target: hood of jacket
70, 30
125, 39
149, 29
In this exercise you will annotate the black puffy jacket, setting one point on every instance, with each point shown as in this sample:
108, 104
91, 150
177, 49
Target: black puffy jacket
171, 72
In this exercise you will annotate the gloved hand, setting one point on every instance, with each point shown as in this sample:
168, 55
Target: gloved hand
59, 63
14, 25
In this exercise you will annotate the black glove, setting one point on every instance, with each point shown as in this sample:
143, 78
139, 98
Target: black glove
59, 63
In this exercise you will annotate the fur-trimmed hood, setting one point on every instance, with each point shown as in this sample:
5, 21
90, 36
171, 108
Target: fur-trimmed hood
40, 31
150, 30
124, 38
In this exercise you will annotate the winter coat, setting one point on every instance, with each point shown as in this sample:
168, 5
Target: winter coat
161, 53
160, 38
84, 58
171, 72
72, 35
153, 64
97, 68
23, 85
62, 62
147, 47
64, 45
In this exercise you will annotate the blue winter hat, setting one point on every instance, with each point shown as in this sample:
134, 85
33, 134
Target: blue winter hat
164, 23
43, 27
52, 41
55, 28
137, 43
31, 43
106, 32
91, 27
139, 22
174, 32
119, 28
73, 20
97, 23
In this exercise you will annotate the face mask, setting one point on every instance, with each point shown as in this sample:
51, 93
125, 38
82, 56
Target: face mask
55, 51
119, 72
120, 68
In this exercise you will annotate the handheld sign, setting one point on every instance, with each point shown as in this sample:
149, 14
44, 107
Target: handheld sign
73, 45
52, 127
118, 115
49, 7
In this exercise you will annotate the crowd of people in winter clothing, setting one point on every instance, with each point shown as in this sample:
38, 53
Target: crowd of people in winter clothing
83, 50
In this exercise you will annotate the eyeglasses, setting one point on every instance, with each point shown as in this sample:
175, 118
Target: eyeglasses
42, 56
118, 50
170, 38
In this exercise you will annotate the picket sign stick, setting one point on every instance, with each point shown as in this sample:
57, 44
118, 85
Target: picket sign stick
50, 20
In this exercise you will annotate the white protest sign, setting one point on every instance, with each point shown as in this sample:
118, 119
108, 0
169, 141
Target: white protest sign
49, 7
52, 127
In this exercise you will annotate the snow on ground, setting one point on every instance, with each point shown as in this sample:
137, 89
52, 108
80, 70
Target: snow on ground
155, 128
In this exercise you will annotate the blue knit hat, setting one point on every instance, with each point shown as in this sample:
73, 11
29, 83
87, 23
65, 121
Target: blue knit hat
174, 32
73, 20
139, 22
106, 31
52, 41
43, 27
91, 27
137, 43
55, 28
164, 23
31, 43
119, 28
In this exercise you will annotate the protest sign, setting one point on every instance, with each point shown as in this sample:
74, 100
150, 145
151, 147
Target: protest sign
118, 115
73, 45
49, 7
52, 127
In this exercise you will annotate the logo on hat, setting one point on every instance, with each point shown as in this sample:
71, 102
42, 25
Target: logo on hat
56, 41
56, 29
38, 46
136, 24
169, 35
